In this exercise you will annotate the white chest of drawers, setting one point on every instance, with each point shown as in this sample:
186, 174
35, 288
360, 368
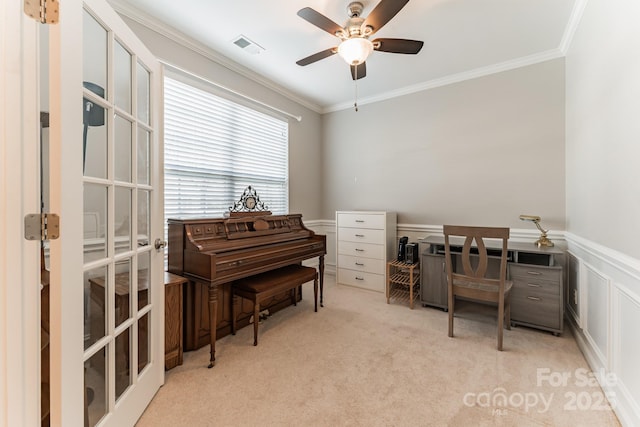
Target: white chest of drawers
366, 240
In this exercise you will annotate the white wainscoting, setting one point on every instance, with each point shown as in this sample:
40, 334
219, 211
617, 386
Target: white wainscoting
604, 314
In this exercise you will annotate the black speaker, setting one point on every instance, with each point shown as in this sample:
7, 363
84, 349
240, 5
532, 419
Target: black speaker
402, 248
411, 253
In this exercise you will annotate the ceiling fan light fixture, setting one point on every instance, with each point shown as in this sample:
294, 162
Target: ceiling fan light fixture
355, 50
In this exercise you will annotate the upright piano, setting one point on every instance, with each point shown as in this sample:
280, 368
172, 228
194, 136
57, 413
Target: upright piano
213, 252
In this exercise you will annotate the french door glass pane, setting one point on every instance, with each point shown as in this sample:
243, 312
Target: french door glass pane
94, 139
143, 93
143, 217
122, 147
122, 291
123, 362
94, 46
122, 76
144, 290
95, 295
143, 156
95, 222
96, 387
122, 219
143, 342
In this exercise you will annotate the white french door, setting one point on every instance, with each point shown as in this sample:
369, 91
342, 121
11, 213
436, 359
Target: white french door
105, 182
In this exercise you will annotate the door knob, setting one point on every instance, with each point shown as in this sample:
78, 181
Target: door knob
160, 244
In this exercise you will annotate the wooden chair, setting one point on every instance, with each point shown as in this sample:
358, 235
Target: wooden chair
474, 283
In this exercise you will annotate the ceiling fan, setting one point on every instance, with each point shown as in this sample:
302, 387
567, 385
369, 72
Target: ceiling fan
355, 45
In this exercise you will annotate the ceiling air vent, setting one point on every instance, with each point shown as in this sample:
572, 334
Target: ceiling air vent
247, 45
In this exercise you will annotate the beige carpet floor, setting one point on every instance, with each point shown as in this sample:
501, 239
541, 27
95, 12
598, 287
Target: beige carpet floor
362, 362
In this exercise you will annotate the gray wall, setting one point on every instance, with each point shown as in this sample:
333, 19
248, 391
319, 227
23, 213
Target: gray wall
305, 166
478, 152
603, 126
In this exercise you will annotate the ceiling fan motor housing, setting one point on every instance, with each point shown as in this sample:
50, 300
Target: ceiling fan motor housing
355, 9
354, 26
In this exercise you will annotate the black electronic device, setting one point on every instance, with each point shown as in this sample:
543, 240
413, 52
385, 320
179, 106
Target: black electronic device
411, 253
402, 248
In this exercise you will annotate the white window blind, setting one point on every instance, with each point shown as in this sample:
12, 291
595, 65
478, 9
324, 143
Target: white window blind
215, 148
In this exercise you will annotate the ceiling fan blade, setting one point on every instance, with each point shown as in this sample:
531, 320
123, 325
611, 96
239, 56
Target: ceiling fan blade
358, 71
397, 45
383, 12
320, 21
317, 56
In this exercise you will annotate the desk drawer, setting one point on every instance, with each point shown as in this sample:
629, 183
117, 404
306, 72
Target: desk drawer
369, 265
531, 272
542, 310
374, 282
363, 235
529, 286
361, 220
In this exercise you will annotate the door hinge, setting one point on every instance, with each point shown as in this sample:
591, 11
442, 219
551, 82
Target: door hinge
44, 226
43, 11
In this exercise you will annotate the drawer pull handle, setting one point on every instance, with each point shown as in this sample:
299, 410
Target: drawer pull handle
533, 285
534, 298
535, 273
359, 250
359, 278
359, 220
360, 264
359, 235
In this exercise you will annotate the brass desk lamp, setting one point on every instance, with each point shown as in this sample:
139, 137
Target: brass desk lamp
543, 240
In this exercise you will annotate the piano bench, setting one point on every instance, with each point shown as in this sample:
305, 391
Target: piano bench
267, 285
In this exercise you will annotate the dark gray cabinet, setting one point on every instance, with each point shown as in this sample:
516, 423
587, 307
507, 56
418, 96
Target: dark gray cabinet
433, 288
537, 297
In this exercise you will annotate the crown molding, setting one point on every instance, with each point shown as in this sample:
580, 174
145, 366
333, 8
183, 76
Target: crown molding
454, 78
171, 33
574, 21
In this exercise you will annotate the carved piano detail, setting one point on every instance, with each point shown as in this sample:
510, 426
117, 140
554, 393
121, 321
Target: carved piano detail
213, 252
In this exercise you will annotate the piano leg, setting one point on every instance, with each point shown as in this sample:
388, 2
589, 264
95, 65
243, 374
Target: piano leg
213, 320
321, 271
315, 293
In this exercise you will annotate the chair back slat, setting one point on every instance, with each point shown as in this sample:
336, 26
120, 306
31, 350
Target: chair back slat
483, 260
474, 237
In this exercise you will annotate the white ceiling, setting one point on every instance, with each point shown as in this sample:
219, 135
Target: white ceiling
462, 39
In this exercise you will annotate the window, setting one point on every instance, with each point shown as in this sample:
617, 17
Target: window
215, 148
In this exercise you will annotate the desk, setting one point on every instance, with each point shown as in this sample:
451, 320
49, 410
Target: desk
537, 296
172, 312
